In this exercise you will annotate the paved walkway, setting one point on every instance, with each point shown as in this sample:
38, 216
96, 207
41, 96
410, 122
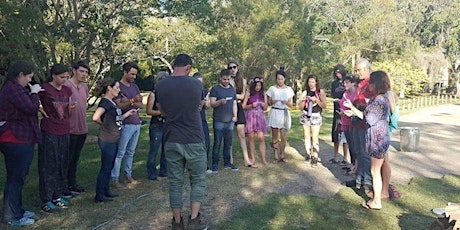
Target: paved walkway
437, 155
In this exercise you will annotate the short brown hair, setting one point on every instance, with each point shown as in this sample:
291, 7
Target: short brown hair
381, 82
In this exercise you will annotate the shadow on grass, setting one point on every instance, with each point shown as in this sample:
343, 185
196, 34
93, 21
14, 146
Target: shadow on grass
412, 211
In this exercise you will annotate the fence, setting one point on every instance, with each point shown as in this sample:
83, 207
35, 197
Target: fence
407, 105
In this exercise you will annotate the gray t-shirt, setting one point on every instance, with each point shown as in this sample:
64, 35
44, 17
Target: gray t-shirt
180, 97
109, 131
224, 112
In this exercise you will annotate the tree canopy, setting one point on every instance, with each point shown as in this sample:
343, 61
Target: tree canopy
305, 37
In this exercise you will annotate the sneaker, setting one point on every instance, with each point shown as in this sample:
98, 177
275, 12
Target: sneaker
314, 162
21, 222
130, 180
232, 167
117, 185
209, 171
67, 194
196, 224
61, 203
215, 168
28, 214
333, 161
177, 226
76, 189
48, 207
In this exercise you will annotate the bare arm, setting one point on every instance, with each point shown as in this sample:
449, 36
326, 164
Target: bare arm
149, 109
235, 111
322, 99
214, 102
98, 114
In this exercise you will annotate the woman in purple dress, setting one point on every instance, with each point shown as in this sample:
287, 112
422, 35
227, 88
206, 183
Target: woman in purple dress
377, 136
255, 103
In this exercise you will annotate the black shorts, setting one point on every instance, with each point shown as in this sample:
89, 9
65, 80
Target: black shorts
241, 119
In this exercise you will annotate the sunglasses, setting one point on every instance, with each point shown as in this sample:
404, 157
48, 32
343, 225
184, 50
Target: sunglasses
233, 67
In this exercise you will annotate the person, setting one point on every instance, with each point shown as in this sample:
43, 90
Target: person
78, 127
128, 98
184, 140
156, 132
239, 83
19, 131
377, 136
110, 118
363, 172
280, 98
312, 104
345, 124
255, 103
337, 89
223, 99
53, 152
203, 106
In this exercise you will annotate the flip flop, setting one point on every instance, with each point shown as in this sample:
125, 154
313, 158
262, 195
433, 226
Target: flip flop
251, 166
367, 206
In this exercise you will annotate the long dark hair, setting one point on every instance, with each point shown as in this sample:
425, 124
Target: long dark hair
18, 67
103, 85
307, 88
239, 84
57, 69
252, 87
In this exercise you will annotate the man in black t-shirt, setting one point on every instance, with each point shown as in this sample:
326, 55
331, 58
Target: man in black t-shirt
179, 98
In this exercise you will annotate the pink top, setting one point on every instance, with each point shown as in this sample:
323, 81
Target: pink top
344, 119
78, 115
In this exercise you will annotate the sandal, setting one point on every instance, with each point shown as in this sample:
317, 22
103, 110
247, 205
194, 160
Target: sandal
282, 160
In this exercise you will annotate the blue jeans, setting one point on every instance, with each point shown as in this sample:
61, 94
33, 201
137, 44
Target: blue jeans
207, 140
186, 156
108, 154
126, 148
156, 133
18, 158
363, 173
222, 130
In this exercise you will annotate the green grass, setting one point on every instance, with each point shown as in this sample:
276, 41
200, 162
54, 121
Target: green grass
249, 199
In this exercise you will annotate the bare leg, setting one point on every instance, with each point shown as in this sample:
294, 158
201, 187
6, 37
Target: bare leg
262, 148
307, 139
283, 142
274, 142
244, 148
346, 155
252, 148
376, 167
315, 139
176, 214
386, 175
336, 149
195, 209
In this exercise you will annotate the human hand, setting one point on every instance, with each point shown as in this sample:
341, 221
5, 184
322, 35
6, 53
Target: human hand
223, 101
348, 113
347, 103
35, 88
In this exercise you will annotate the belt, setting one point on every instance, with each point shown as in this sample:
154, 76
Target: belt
278, 108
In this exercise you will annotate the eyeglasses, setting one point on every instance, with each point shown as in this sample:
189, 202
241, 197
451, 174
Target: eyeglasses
233, 67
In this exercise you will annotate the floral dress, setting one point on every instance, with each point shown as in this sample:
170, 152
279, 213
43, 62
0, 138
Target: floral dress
377, 136
255, 117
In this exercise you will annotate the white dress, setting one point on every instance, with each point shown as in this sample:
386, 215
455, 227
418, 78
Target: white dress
279, 116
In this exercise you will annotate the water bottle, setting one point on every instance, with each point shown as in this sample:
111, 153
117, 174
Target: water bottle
310, 108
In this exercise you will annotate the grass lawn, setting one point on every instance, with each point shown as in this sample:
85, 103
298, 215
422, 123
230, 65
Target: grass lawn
248, 199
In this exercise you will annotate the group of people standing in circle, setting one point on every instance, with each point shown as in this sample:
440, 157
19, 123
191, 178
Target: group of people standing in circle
362, 106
